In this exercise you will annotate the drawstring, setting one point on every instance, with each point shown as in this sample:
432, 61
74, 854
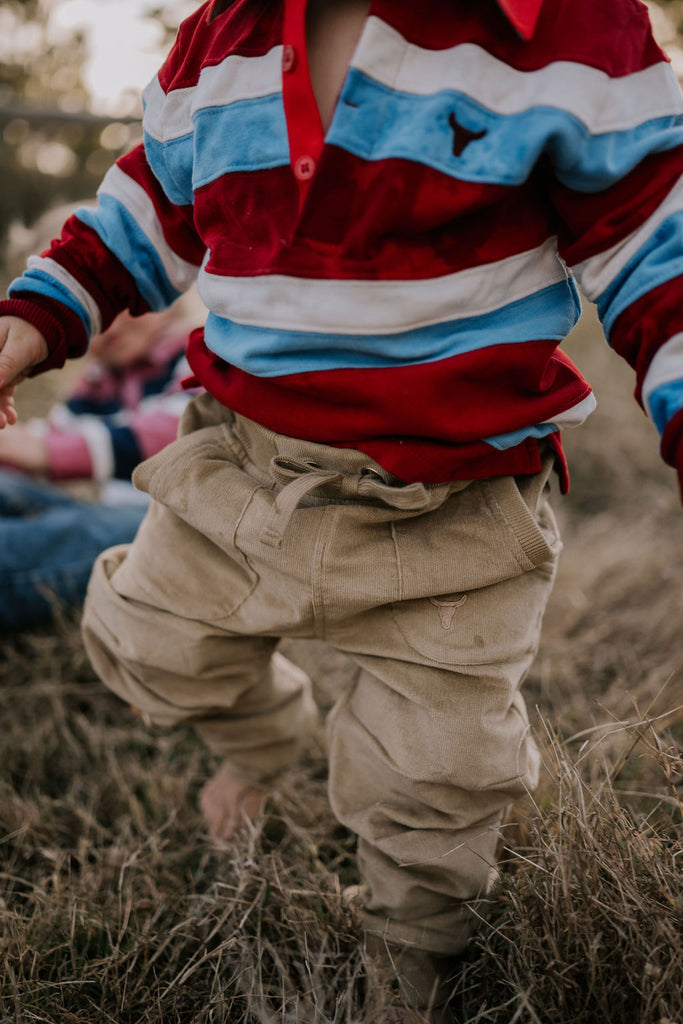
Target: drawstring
407, 498
287, 501
304, 477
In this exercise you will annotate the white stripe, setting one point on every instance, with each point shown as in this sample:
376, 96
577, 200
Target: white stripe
577, 414
598, 272
118, 184
169, 115
49, 266
667, 366
602, 103
380, 307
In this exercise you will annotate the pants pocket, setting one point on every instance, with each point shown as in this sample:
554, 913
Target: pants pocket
185, 559
476, 574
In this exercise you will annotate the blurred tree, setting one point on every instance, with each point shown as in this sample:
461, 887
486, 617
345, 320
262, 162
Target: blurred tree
51, 148
667, 21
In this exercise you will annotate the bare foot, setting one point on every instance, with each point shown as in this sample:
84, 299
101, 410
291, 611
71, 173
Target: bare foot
227, 804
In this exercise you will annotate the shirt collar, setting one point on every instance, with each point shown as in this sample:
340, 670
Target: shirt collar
522, 14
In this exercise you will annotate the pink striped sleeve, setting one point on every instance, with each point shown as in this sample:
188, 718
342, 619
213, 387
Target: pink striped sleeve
68, 456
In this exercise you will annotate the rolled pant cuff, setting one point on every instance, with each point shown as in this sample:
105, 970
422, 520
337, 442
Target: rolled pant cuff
450, 938
263, 765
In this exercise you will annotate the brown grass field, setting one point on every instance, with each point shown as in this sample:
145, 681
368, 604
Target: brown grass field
115, 906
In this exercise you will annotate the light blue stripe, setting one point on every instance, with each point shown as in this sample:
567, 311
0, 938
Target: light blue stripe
171, 163
266, 352
658, 260
121, 233
664, 402
42, 283
504, 441
377, 123
247, 135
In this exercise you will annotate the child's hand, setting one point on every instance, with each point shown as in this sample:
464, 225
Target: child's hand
21, 347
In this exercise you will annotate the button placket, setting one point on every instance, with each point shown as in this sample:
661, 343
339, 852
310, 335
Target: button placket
304, 128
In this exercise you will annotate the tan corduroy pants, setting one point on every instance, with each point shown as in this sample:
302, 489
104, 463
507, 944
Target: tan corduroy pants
436, 592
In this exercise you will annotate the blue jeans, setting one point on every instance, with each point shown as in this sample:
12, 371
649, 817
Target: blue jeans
48, 543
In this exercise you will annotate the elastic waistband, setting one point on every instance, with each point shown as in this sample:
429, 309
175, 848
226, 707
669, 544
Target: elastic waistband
263, 445
309, 473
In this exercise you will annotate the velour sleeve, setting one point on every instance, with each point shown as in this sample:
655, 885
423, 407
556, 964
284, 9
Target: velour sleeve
615, 179
138, 249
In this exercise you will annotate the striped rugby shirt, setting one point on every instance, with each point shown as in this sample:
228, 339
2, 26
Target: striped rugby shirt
400, 284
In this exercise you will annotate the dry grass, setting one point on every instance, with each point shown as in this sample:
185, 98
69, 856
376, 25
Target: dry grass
114, 906
117, 908
589, 913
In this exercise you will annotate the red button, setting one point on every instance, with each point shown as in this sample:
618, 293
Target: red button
288, 58
304, 168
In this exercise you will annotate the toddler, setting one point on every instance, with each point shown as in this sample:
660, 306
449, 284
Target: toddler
381, 202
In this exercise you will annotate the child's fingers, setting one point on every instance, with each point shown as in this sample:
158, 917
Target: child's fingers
8, 412
17, 357
21, 347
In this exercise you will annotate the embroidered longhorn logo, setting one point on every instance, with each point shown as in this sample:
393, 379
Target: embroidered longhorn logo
462, 136
447, 609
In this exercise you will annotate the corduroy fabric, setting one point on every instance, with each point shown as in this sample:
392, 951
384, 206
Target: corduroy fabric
436, 592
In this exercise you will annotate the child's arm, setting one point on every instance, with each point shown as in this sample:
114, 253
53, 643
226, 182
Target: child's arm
138, 250
618, 192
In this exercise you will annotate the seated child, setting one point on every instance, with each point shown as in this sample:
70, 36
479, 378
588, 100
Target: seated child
125, 407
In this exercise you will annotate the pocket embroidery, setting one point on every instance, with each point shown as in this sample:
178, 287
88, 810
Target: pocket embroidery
447, 609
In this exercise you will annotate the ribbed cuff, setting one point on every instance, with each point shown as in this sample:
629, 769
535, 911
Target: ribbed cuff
63, 331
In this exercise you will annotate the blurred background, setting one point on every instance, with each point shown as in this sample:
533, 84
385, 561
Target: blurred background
71, 74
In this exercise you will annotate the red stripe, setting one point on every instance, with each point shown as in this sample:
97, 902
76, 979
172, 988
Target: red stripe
647, 324
176, 222
426, 419
96, 268
574, 30
391, 219
249, 28
611, 35
245, 218
594, 222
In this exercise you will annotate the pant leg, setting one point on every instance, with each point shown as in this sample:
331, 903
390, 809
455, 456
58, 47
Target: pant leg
48, 543
23, 495
162, 623
432, 743
440, 608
